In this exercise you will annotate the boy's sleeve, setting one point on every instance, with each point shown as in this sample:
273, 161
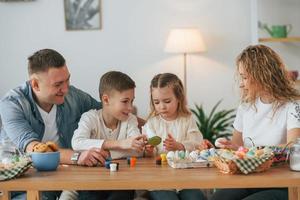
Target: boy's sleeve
193, 136
132, 129
87, 127
15, 125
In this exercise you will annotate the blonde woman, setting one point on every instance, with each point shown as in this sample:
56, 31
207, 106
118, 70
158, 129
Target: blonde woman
269, 112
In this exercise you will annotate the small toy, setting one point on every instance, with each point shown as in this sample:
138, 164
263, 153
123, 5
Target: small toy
113, 167
107, 163
259, 152
116, 164
128, 160
153, 139
163, 157
170, 155
181, 154
240, 154
158, 160
250, 154
132, 161
243, 149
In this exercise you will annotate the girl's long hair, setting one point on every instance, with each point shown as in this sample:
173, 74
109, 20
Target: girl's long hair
266, 73
172, 81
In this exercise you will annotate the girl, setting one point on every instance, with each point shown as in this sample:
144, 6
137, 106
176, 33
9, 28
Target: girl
269, 113
172, 121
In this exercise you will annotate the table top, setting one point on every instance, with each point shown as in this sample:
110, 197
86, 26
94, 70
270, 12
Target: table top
147, 175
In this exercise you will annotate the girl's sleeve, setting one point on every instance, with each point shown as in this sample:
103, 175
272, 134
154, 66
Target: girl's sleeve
293, 115
82, 140
193, 136
238, 121
149, 125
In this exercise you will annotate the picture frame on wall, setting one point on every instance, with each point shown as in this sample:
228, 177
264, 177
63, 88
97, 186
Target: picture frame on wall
82, 14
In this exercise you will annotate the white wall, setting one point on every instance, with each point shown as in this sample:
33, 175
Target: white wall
132, 40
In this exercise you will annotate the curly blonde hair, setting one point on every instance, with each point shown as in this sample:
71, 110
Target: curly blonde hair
170, 80
266, 73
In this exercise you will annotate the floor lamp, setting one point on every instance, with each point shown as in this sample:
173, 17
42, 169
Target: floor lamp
184, 41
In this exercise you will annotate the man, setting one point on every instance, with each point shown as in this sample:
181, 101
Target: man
47, 108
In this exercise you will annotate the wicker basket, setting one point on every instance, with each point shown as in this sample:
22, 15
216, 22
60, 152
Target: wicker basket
230, 167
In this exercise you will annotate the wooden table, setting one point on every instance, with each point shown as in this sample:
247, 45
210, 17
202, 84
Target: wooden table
147, 175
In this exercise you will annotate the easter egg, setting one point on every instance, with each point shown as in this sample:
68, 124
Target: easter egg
154, 141
181, 154
170, 155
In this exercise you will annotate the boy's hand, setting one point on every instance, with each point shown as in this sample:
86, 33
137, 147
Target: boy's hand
135, 143
92, 157
149, 149
170, 144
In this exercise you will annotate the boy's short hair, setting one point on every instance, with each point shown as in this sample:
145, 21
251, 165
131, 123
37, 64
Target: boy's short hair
115, 80
43, 59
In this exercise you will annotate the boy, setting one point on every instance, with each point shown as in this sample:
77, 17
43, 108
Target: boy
113, 127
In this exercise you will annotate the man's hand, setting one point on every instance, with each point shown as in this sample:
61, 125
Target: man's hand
170, 144
93, 157
29, 147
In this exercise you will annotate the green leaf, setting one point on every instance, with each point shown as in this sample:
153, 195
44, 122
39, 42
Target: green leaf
216, 124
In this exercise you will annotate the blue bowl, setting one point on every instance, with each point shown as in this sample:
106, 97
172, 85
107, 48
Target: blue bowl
47, 161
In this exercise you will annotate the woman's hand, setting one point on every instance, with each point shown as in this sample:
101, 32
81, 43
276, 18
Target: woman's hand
223, 143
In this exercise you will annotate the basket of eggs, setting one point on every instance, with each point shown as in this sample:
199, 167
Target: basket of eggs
244, 160
13, 163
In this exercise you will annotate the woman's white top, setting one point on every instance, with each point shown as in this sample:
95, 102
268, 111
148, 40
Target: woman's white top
183, 129
264, 126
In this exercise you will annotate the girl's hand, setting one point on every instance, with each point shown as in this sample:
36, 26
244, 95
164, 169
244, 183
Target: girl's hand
170, 144
205, 144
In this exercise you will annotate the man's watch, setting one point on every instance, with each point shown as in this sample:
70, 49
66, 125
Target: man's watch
75, 158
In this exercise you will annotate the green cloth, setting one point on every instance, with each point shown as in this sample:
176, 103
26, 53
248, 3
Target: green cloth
249, 165
18, 169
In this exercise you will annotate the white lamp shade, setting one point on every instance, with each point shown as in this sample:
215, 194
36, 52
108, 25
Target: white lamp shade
185, 40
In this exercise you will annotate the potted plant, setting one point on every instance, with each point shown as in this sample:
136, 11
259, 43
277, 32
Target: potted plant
216, 124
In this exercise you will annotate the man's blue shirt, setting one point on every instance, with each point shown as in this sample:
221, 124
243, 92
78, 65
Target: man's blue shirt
22, 121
